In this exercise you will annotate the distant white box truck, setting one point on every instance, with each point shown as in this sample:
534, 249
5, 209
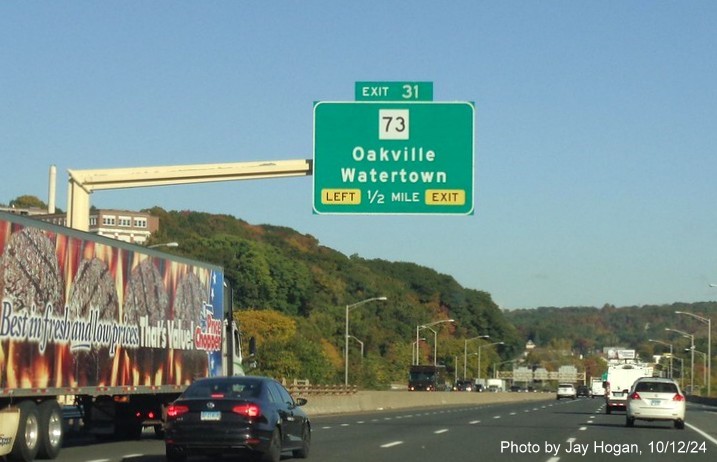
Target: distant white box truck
495, 385
596, 387
620, 378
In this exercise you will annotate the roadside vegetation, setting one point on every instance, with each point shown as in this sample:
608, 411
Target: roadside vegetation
290, 294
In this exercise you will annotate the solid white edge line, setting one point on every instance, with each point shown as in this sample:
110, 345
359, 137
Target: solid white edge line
704, 434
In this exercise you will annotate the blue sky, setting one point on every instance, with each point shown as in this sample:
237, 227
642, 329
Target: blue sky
596, 126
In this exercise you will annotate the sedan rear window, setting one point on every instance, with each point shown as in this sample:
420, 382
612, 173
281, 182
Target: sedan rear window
656, 387
224, 389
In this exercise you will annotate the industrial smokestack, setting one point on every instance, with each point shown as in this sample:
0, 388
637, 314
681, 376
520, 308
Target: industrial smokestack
51, 192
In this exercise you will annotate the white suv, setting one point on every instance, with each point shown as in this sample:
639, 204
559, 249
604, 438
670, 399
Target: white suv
654, 398
566, 390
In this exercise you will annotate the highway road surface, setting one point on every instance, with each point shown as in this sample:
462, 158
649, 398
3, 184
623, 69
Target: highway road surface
543, 431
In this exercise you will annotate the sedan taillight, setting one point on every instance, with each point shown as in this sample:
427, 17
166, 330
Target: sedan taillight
175, 410
635, 395
247, 410
678, 397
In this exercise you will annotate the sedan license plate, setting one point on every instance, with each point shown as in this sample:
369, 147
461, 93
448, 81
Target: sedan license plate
211, 415
655, 402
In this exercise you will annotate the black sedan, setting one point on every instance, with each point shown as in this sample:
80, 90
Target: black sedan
252, 415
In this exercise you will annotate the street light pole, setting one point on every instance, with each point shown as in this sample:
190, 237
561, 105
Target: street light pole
707, 321
346, 336
424, 326
413, 350
704, 365
465, 351
479, 348
669, 345
692, 358
435, 342
682, 372
360, 343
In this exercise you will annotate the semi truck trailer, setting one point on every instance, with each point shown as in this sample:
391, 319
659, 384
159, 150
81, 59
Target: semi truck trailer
427, 378
122, 329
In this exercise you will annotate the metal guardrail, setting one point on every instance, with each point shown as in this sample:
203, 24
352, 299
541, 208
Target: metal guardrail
301, 387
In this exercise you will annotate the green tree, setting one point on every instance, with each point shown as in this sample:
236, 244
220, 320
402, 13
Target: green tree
26, 202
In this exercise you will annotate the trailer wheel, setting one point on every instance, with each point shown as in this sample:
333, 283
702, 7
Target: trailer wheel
51, 431
28, 434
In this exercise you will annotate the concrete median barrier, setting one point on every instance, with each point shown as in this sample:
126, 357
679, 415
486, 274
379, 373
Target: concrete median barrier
385, 400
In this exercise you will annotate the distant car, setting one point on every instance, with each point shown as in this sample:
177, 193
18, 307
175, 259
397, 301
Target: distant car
566, 390
255, 416
464, 385
479, 388
655, 398
583, 391
516, 388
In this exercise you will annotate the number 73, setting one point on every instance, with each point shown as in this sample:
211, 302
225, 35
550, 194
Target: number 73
393, 124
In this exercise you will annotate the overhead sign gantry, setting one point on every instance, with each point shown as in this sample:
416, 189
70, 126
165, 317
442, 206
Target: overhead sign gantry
392, 151
83, 182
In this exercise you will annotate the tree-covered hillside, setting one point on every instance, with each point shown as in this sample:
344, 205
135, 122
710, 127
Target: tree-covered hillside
290, 293
586, 331
590, 329
288, 284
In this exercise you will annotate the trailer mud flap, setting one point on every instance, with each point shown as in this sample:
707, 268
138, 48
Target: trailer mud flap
9, 420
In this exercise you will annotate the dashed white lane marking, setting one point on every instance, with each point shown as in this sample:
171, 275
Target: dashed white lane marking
473, 422
553, 459
391, 444
570, 440
496, 417
344, 425
582, 429
442, 430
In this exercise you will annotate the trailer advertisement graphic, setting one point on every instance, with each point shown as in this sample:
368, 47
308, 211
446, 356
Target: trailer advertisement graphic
76, 312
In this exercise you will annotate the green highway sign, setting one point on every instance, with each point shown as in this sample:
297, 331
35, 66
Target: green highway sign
393, 157
394, 91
